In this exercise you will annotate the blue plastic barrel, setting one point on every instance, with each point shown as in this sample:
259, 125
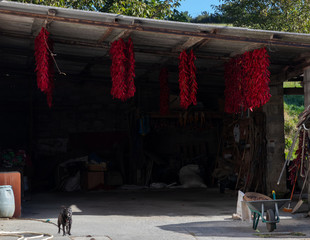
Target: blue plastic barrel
7, 202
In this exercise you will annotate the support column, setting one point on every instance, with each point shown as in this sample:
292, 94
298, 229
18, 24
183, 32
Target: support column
275, 140
306, 83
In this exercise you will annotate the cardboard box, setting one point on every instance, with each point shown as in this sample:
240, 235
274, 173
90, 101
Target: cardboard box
93, 180
97, 167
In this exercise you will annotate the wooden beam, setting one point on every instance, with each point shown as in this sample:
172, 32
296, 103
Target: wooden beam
124, 34
106, 34
187, 44
302, 57
107, 46
175, 55
201, 44
135, 27
290, 72
293, 91
247, 48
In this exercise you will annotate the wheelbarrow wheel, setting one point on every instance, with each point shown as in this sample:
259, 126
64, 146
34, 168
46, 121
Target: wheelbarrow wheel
270, 217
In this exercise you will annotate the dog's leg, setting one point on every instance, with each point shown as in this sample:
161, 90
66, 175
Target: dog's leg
59, 226
69, 228
63, 229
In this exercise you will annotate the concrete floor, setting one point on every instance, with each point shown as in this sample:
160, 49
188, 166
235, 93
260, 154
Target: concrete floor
170, 214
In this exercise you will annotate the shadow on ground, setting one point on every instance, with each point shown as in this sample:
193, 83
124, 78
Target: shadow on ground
170, 202
235, 229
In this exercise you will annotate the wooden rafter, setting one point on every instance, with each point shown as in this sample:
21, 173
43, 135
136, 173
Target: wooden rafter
123, 34
247, 48
107, 46
293, 91
290, 72
187, 44
192, 42
106, 34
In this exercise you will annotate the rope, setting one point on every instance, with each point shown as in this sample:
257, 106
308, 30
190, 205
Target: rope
20, 235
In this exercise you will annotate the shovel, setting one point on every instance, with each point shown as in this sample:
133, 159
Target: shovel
289, 209
300, 202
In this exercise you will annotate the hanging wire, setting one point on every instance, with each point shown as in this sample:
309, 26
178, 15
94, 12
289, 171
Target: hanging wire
46, 23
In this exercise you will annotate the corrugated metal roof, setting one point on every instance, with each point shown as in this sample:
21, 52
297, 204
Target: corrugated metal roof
82, 41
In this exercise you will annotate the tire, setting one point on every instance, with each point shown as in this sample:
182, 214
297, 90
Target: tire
270, 217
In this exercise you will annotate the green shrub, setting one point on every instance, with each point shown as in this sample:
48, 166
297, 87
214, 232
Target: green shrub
293, 107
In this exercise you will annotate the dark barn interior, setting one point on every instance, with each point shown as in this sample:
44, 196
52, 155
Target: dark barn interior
100, 142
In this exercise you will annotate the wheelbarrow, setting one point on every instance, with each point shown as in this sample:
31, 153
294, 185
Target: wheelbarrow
268, 210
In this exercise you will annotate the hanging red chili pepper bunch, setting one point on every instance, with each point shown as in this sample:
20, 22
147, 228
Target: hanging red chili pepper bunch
44, 64
164, 92
299, 154
131, 89
187, 79
122, 69
246, 80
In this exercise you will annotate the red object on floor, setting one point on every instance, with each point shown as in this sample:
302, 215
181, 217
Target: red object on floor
13, 179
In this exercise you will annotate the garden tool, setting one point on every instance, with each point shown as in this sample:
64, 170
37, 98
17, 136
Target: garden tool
300, 202
289, 155
289, 209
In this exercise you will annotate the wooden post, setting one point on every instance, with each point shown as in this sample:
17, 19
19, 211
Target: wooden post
307, 103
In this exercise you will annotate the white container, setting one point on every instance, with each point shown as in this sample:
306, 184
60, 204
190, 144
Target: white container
7, 202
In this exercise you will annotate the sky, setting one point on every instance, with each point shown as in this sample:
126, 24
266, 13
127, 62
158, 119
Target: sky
195, 7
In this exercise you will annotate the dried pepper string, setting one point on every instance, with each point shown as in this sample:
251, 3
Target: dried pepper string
44, 64
164, 92
246, 79
233, 85
183, 80
118, 69
192, 78
122, 69
187, 79
131, 89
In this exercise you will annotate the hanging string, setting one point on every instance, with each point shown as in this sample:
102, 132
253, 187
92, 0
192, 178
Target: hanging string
47, 22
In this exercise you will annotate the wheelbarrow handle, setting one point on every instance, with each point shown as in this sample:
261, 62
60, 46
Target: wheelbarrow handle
274, 194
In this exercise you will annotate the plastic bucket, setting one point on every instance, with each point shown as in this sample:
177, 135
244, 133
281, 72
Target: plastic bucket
13, 179
7, 202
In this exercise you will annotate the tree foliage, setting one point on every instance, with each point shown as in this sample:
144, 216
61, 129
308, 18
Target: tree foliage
293, 107
278, 15
206, 17
158, 9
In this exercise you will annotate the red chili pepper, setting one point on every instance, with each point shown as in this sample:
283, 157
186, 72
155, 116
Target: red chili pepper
183, 80
192, 78
122, 69
131, 89
246, 80
44, 64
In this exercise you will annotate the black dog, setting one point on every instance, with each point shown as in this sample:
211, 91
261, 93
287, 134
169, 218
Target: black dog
65, 219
